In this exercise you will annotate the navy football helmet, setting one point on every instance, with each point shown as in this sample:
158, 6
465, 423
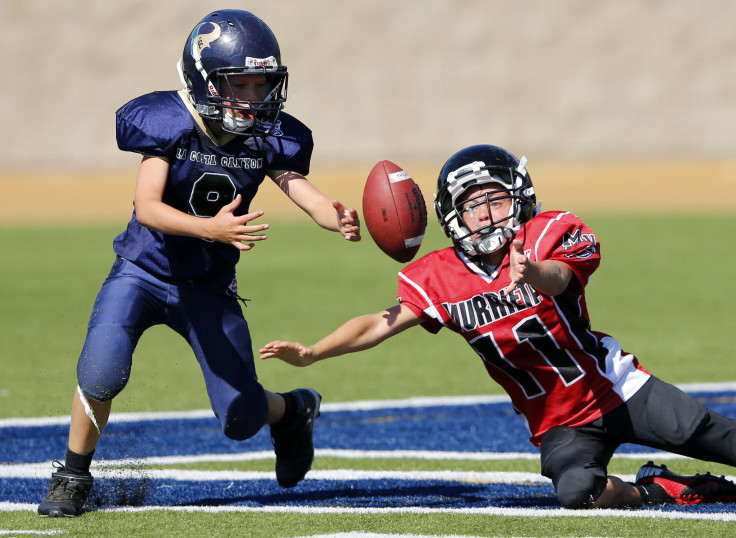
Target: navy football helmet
478, 165
224, 44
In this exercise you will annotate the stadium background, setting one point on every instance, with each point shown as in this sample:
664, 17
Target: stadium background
599, 96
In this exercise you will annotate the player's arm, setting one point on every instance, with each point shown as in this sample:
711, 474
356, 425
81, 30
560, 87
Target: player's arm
551, 277
327, 213
358, 334
153, 212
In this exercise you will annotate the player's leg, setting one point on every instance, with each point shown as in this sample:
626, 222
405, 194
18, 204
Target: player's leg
276, 407
219, 335
687, 426
216, 330
667, 418
618, 494
715, 440
576, 460
88, 419
121, 312
71, 482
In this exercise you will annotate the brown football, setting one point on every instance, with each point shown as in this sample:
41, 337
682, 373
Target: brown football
394, 211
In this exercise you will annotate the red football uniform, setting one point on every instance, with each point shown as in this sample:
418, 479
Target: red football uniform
540, 349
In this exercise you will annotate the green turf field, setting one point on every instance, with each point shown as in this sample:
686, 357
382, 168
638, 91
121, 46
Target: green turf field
664, 289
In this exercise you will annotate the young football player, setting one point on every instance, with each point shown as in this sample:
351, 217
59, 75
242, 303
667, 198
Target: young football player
513, 285
206, 149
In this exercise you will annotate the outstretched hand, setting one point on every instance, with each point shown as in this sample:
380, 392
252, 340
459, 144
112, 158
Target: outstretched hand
518, 263
347, 221
228, 228
293, 353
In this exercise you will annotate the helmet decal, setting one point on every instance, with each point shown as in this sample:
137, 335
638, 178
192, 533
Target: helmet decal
201, 40
261, 62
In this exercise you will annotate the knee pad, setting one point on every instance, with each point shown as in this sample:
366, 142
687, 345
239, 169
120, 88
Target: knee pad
568, 459
104, 365
579, 488
244, 417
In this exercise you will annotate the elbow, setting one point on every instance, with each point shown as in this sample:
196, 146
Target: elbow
556, 286
556, 290
143, 216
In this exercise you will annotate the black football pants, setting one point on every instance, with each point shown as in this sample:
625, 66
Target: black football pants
659, 416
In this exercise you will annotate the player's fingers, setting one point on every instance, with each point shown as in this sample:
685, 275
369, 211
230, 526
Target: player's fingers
243, 246
268, 352
245, 231
250, 237
251, 216
275, 346
338, 206
253, 229
351, 218
351, 235
270, 348
232, 205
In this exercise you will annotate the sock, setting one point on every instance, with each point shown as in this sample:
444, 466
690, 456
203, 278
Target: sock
653, 494
78, 463
291, 405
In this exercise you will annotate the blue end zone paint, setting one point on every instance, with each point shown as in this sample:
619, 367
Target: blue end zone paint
353, 494
315, 493
488, 427
471, 428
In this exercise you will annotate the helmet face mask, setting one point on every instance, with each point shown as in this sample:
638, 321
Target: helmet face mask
252, 117
477, 166
227, 44
490, 236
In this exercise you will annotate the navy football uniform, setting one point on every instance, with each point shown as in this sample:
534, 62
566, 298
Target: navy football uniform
187, 283
203, 148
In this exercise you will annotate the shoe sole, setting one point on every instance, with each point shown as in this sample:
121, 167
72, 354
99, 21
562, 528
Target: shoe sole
57, 513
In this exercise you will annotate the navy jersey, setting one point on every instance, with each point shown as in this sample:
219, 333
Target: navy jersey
203, 177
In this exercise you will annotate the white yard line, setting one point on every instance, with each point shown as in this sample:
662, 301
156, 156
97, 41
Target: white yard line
486, 511
38, 470
362, 405
480, 477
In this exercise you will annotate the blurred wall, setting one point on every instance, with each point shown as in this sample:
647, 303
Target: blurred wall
406, 80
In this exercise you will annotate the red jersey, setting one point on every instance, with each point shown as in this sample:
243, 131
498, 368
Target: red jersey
540, 349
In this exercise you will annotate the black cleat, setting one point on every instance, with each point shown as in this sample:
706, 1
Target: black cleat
705, 488
293, 442
66, 495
